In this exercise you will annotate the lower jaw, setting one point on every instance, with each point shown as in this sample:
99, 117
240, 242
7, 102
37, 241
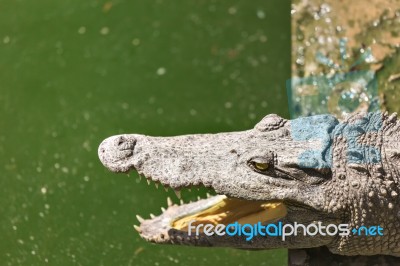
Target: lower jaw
230, 210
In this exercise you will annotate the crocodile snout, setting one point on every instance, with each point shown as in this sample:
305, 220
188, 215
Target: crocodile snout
115, 152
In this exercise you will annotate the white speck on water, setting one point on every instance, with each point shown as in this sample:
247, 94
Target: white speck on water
86, 116
136, 42
57, 165
6, 39
86, 145
43, 190
193, 112
65, 170
20, 241
160, 111
228, 105
14, 228
232, 10
263, 38
31, 238
105, 31
161, 71
264, 104
260, 14
41, 214
33, 252
252, 116
38, 169
173, 259
47, 206
86, 178
125, 106
82, 30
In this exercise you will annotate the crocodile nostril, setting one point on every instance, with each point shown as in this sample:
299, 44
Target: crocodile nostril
125, 142
121, 140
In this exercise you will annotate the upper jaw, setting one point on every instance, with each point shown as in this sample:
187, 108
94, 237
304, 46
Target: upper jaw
211, 160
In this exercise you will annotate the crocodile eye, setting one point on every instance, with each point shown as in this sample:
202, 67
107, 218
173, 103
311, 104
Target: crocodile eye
261, 166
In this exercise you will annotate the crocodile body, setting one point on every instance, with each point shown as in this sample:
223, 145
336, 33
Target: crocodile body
321, 169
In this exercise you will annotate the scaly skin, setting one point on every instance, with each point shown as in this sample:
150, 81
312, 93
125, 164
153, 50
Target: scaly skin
323, 170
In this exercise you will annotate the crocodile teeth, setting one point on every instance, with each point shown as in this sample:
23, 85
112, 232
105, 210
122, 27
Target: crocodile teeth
169, 202
140, 219
152, 216
208, 195
137, 228
156, 185
178, 193
181, 202
163, 209
166, 189
148, 182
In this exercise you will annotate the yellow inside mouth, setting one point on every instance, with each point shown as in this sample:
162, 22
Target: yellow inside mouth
230, 210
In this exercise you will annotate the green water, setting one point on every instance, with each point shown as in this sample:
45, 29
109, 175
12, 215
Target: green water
75, 72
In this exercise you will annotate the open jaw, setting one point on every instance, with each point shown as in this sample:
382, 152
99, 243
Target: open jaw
185, 223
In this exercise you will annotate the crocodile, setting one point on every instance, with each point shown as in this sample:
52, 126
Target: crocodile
309, 170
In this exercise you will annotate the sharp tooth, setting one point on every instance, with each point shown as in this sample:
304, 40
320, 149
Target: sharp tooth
137, 228
208, 195
148, 181
178, 193
152, 216
169, 202
181, 202
156, 185
198, 197
140, 219
166, 189
190, 189
163, 209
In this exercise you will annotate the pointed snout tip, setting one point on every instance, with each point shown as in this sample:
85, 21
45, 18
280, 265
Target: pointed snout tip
114, 152
102, 152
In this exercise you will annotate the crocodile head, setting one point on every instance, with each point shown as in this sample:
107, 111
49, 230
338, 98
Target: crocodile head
275, 171
311, 170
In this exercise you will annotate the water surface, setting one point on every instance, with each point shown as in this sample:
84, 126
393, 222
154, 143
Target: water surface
75, 72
